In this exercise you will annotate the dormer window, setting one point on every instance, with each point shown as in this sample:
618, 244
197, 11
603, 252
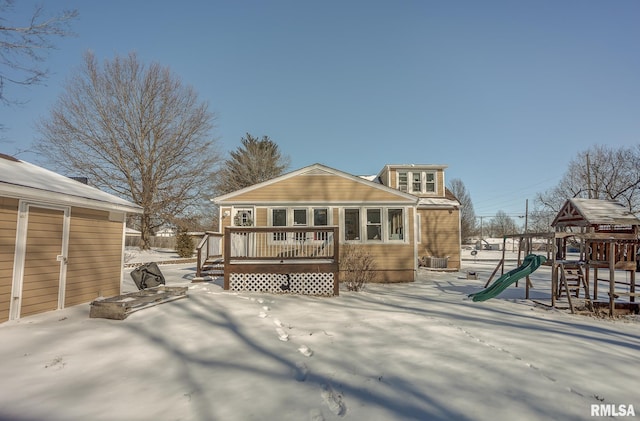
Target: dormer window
419, 182
402, 181
416, 184
430, 182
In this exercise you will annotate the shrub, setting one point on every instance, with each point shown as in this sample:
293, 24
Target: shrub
184, 244
357, 267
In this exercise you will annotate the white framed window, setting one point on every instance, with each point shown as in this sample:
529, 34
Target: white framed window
243, 217
416, 182
351, 224
299, 217
395, 224
374, 224
402, 181
384, 224
430, 182
279, 219
320, 219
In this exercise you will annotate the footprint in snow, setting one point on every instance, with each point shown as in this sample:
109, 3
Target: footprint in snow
266, 308
282, 335
302, 371
315, 415
304, 350
333, 400
262, 314
277, 322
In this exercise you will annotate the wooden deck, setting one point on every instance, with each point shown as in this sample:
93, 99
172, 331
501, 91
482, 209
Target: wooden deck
300, 260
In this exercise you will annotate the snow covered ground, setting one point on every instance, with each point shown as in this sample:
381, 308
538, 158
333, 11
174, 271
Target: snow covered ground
419, 351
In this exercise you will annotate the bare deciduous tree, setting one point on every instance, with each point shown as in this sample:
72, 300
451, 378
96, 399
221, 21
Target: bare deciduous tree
136, 131
24, 45
255, 160
467, 213
502, 224
601, 172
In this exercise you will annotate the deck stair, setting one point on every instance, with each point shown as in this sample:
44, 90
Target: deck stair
213, 267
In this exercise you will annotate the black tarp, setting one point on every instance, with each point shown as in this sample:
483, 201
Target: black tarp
147, 276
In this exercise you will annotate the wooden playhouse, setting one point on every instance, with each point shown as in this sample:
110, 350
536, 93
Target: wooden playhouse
604, 234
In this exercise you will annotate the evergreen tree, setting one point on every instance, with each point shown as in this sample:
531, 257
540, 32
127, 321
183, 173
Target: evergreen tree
184, 244
255, 160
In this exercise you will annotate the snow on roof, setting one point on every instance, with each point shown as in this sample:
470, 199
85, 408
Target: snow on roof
594, 212
24, 180
437, 201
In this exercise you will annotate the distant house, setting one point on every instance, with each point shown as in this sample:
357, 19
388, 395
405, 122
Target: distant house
61, 241
166, 232
399, 216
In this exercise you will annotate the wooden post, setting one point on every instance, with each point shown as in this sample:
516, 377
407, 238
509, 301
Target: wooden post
227, 257
336, 259
612, 277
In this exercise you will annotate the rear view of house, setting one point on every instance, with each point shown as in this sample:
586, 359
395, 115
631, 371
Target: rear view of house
398, 217
61, 241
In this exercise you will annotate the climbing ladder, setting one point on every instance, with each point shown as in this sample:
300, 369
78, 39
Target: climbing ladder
572, 280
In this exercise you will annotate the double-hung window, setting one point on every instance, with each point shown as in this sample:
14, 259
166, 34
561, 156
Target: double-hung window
351, 224
320, 219
395, 224
279, 219
300, 219
402, 181
374, 224
416, 184
430, 182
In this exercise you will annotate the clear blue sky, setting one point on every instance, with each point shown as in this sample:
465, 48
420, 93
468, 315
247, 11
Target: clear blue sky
503, 92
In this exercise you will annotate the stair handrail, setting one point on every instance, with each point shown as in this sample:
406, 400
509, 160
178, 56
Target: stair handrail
202, 257
209, 246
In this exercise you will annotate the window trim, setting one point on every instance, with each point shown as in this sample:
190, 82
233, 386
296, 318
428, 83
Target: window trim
378, 224
290, 218
384, 222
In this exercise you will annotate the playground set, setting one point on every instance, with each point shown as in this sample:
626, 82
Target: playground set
603, 236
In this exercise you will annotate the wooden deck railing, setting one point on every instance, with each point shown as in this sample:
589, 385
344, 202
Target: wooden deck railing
268, 258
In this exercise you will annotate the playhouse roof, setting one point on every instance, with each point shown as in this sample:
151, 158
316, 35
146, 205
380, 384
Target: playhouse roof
590, 212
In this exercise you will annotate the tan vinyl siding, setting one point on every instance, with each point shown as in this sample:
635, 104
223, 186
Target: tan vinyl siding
317, 189
261, 217
8, 223
41, 276
225, 221
394, 263
440, 235
94, 256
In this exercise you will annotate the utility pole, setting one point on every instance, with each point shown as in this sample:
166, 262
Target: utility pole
589, 177
526, 215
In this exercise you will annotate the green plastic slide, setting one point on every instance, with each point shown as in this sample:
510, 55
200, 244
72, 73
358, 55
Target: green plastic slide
529, 265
